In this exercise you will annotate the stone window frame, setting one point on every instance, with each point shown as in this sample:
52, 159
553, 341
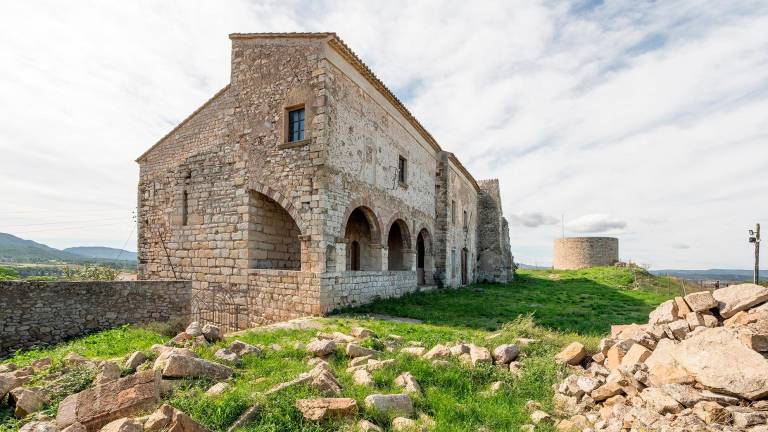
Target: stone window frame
402, 171
286, 144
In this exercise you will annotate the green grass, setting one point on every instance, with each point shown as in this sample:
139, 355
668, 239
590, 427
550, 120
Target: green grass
555, 308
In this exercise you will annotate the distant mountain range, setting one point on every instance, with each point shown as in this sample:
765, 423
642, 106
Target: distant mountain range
730, 275
17, 250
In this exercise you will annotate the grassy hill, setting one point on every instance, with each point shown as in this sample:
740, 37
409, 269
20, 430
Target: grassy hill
102, 252
552, 307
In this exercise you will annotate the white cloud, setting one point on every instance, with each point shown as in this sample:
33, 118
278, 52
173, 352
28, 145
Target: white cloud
596, 223
532, 219
651, 112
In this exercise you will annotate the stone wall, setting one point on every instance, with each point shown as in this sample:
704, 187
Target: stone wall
495, 258
346, 289
583, 252
42, 313
280, 295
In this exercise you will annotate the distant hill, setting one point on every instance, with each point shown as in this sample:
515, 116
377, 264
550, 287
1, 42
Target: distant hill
531, 267
18, 250
102, 252
731, 275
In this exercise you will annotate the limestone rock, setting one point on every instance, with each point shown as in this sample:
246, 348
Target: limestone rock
683, 394
700, 301
194, 329
354, 351
361, 332
226, 355
135, 360
243, 349
217, 389
682, 307
737, 298
479, 355
408, 383
503, 354
573, 354
211, 333
414, 351
541, 417
362, 377
168, 418
40, 426
438, 352
459, 349
717, 360
97, 406
124, 424
108, 371
636, 354
366, 426
402, 424
75, 359
180, 366
324, 408
26, 401
606, 391
661, 402
711, 413
390, 404
664, 313
744, 417
321, 347
8, 382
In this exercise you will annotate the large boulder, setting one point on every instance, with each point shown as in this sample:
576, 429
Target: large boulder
390, 404
97, 406
321, 409
700, 301
736, 298
503, 354
716, 359
168, 418
664, 313
573, 354
321, 347
26, 401
181, 366
124, 424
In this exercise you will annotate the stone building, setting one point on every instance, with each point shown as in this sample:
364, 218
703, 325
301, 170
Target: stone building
573, 253
305, 185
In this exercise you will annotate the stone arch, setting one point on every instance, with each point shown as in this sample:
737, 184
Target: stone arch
367, 208
281, 199
424, 257
398, 245
273, 234
397, 218
362, 234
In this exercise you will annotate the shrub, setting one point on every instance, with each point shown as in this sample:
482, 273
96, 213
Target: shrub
90, 272
8, 274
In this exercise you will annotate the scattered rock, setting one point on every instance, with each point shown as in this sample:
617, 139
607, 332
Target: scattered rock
459, 349
194, 329
26, 401
390, 404
664, 313
700, 301
366, 426
218, 389
124, 424
438, 352
75, 359
226, 355
321, 347
97, 406
135, 360
414, 350
408, 383
354, 351
659, 401
168, 418
711, 413
737, 298
243, 349
403, 424
573, 354
320, 409
479, 355
182, 366
362, 377
361, 332
503, 354
211, 333
41, 426
108, 371
636, 354
540, 417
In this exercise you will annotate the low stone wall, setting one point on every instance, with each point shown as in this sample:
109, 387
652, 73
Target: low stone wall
42, 313
354, 288
280, 295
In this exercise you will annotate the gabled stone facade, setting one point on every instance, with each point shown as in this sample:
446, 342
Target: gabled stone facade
291, 228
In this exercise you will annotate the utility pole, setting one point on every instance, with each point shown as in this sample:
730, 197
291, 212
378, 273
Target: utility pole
754, 237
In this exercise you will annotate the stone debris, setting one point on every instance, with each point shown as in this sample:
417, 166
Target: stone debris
108, 371
438, 352
414, 351
321, 347
194, 329
366, 426
184, 366
362, 377
361, 333
408, 383
135, 360
124, 424
227, 355
504, 354
217, 389
211, 333
698, 365
26, 401
479, 355
243, 349
354, 350
324, 408
390, 404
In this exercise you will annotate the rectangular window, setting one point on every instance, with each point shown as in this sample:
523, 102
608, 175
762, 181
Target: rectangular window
402, 170
453, 212
184, 208
465, 219
296, 125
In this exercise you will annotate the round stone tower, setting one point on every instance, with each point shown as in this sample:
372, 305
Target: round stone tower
582, 252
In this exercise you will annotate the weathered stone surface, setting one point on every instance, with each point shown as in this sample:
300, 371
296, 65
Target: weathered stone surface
664, 313
243, 349
135, 360
226, 355
172, 420
181, 366
391, 404
678, 329
362, 377
402, 424
212, 333
573, 354
459, 349
479, 355
26, 401
503, 354
660, 401
40, 426
682, 307
683, 394
717, 360
744, 417
700, 301
711, 413
124, 424
361, 332
321, 347
97, 406
8, 382
354, 350
737, 298
636, 354
194, 329
366, 426
414, 351
218, 388
108, 371
438, 352
408, 383
541, 417
320, 409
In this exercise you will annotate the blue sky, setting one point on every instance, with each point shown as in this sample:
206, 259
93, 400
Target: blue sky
643, 120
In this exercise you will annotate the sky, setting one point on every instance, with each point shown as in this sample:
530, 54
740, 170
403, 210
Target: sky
647, 121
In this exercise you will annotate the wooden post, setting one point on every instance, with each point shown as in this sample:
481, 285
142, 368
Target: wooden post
757, 255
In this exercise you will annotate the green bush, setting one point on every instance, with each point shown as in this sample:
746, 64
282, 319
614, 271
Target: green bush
8, 274
90, 272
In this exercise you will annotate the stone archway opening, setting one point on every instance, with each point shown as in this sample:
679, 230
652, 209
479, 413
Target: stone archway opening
273, 235
398, 246
361, 236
